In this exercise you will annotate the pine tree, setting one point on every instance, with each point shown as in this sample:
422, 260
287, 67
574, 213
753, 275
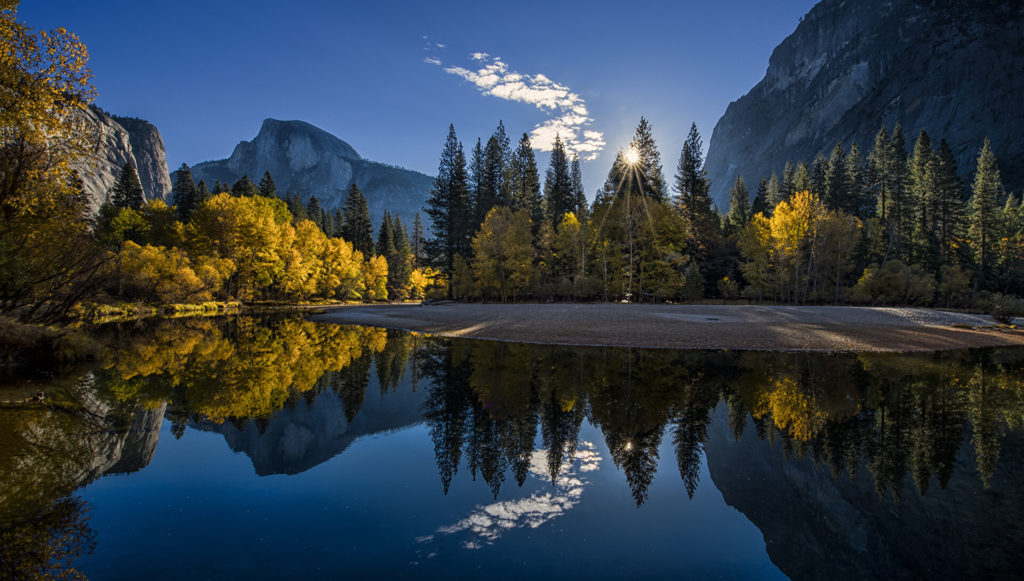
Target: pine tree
760, 203
775, 192
694, 199
184, 193
358, 230
202, 193
495, 188
819, 167
649, 163
801, 178
418, 241
526, 183
739, 206
295, 206
339, 224
984, 210
386, 237
315, 212
267, 187
950, 207
476, 181
448, 206
127, 190
902, 220
857, 202
558, 184
922, 191
836, 193
400, 262
788, 188
245, 188
576, 179
219, 188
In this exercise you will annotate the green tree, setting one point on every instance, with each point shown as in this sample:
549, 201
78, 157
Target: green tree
739, 207
950, 211
776, 192
245, 188
694, 198
418, 240
315, 213
296, 208
984, 211
358, 230
558, 184
448, 206
526, 183
576, 178
127, 190
400, 262
837, 192
649, 162
267, 187
386, 237
185, 193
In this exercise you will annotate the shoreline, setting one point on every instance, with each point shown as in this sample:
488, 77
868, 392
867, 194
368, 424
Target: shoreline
710, 327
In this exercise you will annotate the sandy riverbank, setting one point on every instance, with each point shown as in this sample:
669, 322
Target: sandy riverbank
783, 328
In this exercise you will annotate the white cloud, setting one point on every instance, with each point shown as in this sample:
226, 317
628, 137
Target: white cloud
567, 112
432, 61
487, 523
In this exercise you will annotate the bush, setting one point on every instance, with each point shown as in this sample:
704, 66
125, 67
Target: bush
1004, 308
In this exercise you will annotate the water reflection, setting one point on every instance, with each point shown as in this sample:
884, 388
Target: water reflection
838, 447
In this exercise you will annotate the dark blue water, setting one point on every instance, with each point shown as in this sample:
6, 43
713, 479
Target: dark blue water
288, 449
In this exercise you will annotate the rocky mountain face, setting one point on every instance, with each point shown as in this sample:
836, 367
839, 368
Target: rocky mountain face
115, 142
311, 432
954, 69
816, 526
308, 161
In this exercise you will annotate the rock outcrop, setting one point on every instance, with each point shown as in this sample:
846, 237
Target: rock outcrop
308, 161
115, 142
954, 69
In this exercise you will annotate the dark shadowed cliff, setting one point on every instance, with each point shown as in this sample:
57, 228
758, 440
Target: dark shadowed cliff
952, 68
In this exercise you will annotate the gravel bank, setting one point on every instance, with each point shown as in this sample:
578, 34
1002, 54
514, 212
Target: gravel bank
776, 328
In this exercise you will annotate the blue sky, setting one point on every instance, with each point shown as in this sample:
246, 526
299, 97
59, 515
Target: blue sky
207, 73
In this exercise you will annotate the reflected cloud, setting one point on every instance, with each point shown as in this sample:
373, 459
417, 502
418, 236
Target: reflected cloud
488, 523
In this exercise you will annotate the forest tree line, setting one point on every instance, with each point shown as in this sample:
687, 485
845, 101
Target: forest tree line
885, 227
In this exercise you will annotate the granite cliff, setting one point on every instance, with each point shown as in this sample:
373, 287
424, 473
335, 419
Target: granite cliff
308, 161
952, 68
116, 141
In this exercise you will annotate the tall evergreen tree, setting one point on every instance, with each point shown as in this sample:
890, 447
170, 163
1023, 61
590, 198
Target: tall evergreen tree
922, 192
245, 188
315, 212
857, 202
448, 206
202, 193
788, 187
693, 195
836, 193
739, 206
339, 224
760, 203
386, 237
184, 193
558, 184
127, 190
220, 188
477, 179
295, 206
819, 167
902, 221
576, 178
802, 178
950, 202
400, 263
526, 183
775, 191
358, 230
649, 163
267, 187
984, 211
418, 240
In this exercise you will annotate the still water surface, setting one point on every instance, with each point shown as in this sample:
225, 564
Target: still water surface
282, 448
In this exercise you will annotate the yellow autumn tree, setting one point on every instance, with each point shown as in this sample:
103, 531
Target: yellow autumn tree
503, 253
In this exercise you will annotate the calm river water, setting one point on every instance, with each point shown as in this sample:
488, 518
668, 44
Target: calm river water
281, 448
